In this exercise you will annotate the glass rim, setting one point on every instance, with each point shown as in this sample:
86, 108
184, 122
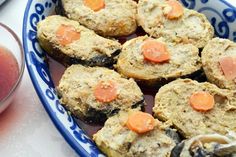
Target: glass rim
22, 67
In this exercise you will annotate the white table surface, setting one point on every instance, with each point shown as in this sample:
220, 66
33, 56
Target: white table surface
25, 127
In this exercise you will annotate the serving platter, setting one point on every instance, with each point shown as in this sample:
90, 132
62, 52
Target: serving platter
221, 13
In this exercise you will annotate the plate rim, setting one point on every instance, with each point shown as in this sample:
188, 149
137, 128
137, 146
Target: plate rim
57, 123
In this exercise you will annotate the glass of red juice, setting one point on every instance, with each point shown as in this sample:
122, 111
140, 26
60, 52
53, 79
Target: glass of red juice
12, 63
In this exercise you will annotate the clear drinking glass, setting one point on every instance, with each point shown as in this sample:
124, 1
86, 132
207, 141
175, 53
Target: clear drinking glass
10, 41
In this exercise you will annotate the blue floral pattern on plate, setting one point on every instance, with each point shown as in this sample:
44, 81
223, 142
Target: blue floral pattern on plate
220, 12
39, 73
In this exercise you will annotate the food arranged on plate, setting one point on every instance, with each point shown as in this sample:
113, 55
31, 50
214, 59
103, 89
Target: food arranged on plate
71, 43
169, 19
155, 61
204, 107
95, 93
105, 17
219, 60
193, 119
135, 133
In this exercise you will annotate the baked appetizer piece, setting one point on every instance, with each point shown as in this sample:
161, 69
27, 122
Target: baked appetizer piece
219, 62
169, 19
210, 145
155, 61
135, 134
196, 108
105, 17
70, 43
95, 93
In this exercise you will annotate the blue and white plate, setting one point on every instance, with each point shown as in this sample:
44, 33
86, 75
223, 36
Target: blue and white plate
221, 13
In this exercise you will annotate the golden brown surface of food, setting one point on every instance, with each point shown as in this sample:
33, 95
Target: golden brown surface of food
184, 60
172, 104
115, 139
117, 18
90, 48
192, 27
77, 90
96, 93
215, 50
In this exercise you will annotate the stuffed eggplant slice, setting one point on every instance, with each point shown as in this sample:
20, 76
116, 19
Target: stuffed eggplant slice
169, 19
156, 62
95, 93
196, 108
70, 43
105, 17
135, 134
219, 62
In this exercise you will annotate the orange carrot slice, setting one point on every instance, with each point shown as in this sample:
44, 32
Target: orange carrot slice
155, 51
228, 66
140, 122
202, 101
176, 11
67, 34
95, 5
106, 91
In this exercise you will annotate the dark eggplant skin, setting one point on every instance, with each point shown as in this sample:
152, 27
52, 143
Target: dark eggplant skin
58, 55
60, 9
94, 116
176, 151
101, 60
196, 152
158, 83
140, 103
199, 152
173, 134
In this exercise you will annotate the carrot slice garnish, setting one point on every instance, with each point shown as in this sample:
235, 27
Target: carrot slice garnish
155, 51
202, 101
228, 66
95, 5
106, 91
140, 122
67, 34
176, 11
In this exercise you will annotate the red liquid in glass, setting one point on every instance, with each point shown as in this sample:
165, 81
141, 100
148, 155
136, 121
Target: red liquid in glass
9, 72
